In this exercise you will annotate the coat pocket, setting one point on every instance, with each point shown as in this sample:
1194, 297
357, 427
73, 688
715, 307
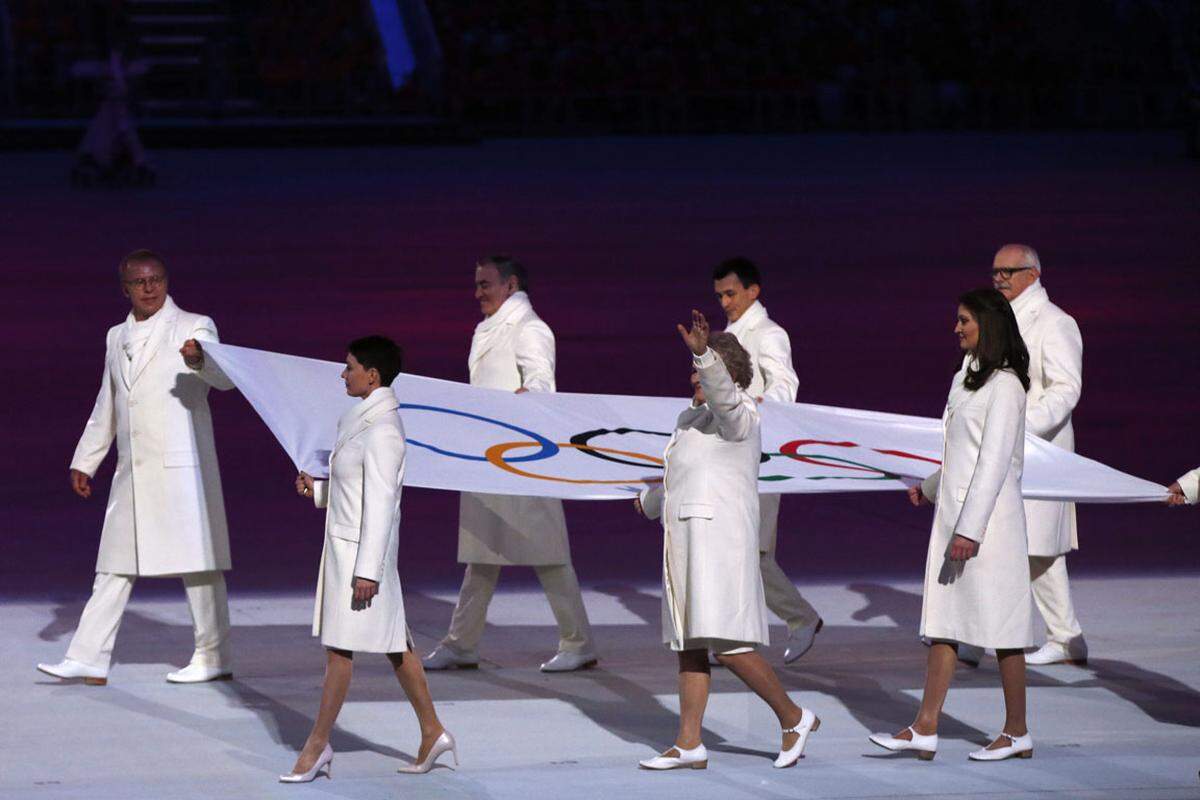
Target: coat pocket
347, 532
695, 510
181, 458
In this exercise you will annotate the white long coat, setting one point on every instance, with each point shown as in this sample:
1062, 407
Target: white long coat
512, 349
986, 600
775, 379
362, 530
156, 409
1190, 483
708, 501
1055, 384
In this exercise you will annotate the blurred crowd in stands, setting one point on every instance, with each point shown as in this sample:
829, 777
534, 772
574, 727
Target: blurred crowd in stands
651, 66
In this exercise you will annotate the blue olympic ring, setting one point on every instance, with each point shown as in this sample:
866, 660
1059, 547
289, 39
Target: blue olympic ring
549, 448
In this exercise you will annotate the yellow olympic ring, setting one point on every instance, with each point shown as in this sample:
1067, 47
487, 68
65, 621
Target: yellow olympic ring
495, 456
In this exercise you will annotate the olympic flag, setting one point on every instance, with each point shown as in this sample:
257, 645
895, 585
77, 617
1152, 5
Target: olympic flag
605, 447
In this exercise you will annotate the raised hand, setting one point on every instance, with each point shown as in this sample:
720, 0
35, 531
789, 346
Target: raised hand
697, 337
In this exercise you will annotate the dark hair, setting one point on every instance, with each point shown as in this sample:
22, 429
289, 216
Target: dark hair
380, 353
745, 269
139, 256
734, 356
1000, 344
508, 266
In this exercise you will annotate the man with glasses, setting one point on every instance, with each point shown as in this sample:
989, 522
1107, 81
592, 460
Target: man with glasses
1056, 381
165, 514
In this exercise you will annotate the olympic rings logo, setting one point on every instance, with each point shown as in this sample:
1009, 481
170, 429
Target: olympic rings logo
498, 454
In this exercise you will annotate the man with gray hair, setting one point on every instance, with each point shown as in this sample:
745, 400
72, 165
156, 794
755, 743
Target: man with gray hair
1056, 382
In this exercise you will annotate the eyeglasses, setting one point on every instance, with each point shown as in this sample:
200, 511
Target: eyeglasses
1007, 272
149, 282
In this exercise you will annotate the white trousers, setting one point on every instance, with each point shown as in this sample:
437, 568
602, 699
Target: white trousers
562, 591
97, 631
782, 596
1052, 593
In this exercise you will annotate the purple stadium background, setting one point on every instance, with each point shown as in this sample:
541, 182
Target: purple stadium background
865, 241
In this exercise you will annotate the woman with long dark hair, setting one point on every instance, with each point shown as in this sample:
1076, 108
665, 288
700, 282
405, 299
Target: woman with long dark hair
977, 588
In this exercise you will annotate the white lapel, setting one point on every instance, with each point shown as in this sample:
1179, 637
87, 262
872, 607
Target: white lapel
746, 322
164, 322
359, 417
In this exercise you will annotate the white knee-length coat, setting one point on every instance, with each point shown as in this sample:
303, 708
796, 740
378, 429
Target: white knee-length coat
775, 379
512, 349
1055, 384
986, 600
708, 501
362, 530
165, 513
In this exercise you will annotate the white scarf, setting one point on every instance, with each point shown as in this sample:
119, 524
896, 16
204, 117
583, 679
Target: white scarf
749, 318
137, 334
489, 330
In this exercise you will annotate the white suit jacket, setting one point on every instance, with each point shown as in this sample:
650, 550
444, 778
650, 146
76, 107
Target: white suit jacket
1190, 483
1056, 382
774, 379
987, 600
157, 411
708, 502
512, 349
362, 529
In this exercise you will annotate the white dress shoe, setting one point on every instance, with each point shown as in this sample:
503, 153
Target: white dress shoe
444, 742
324, 761
808, 723
1017, 747
800, 641
678, 758
926, 746
569, 662
67, 669
969, 654
446, 657
1059, 653
199, 673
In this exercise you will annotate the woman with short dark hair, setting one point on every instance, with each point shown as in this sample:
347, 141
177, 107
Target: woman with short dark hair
977, 588
359, 603
712, 584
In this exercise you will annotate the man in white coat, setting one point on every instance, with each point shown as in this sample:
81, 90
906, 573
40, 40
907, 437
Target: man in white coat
1056, 382
155, 405
737, 284
513, 350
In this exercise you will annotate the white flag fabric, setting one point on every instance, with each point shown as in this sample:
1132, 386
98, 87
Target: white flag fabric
604, 447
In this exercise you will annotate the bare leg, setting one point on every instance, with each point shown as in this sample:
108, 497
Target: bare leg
411, 675
1012, 678
339, 666
694, 680
754, 671
939, 671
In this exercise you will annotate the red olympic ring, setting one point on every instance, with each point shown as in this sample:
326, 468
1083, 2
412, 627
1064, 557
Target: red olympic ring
789, 449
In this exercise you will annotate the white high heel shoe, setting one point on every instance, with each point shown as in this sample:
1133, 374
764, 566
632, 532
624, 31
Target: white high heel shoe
444, 742
1018, 747
808, 723
324, 761
926, 746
